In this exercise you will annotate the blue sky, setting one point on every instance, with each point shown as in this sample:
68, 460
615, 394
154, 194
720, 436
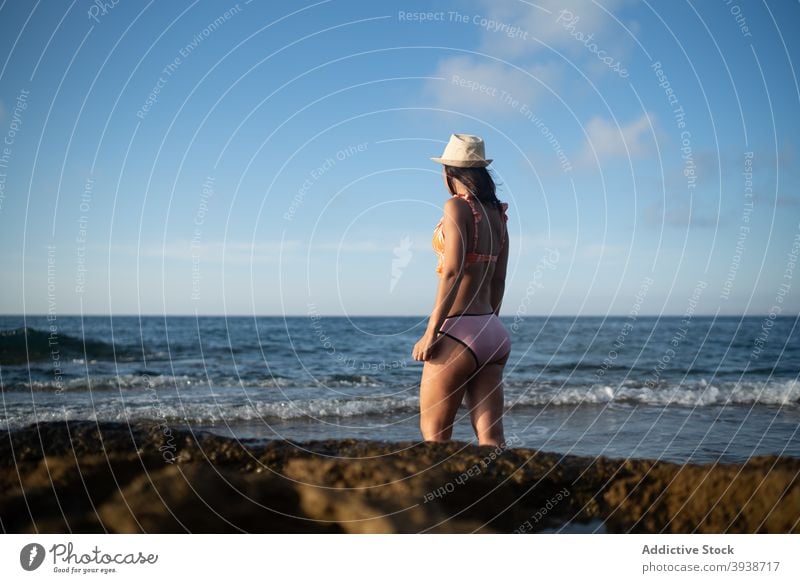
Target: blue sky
264, 157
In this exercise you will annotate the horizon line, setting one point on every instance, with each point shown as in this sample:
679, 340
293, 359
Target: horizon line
179, 315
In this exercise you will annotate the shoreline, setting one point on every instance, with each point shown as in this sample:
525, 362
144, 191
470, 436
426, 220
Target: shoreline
119, 477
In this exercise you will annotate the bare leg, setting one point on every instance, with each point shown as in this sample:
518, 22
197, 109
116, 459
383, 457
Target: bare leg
444, 381
485, 403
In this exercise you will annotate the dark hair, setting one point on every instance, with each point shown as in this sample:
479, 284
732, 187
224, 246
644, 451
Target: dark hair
477, 180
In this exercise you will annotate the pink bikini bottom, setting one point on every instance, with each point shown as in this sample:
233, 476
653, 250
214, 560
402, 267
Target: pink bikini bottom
483, 334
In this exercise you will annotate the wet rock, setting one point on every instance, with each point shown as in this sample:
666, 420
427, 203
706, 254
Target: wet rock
115, 477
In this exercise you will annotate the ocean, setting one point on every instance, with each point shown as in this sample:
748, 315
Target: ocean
683, 390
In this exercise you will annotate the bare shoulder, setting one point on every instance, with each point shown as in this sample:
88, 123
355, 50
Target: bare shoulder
457, 208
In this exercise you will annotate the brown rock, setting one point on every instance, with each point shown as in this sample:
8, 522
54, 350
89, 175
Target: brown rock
203, 499
85, 477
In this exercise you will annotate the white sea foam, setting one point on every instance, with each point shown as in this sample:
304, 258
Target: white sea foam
697, 394
218, 413
231, 408
156, 381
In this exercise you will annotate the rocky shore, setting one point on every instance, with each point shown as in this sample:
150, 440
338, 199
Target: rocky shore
113, 477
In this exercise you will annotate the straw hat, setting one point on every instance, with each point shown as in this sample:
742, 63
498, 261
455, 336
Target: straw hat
464, 151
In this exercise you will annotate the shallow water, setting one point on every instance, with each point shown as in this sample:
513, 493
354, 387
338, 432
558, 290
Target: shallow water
708, 390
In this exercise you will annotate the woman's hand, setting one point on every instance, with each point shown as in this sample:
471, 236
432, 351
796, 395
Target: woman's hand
425, 348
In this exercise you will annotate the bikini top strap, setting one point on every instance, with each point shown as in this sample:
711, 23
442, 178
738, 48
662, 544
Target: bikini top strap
504, 205
476, 216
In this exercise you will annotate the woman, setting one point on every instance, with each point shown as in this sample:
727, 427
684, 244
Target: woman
465, 346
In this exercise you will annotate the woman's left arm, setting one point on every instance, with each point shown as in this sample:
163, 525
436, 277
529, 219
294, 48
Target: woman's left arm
456, 217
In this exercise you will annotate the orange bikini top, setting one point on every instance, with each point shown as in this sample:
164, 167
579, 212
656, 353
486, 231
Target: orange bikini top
473, 256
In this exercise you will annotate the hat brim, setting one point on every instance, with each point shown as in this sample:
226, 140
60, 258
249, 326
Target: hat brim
463, 163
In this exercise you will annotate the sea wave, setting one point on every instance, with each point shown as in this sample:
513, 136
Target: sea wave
25, 345
522, 392
303, 409
217, 413
695, 394
231, 409
154, 380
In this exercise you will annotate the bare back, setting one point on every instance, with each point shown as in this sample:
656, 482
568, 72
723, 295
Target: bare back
475, 292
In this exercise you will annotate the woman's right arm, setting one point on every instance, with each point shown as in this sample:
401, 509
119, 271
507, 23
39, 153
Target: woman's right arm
498, 284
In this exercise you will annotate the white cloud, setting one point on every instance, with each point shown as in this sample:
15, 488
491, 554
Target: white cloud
602, 251
540, 20
365, 246
608, 140
567, 247
214, 251
514, 31
482, 87
244, 252
674, 211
